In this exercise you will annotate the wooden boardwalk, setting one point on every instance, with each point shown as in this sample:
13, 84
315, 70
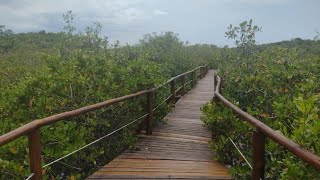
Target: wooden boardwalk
176, 150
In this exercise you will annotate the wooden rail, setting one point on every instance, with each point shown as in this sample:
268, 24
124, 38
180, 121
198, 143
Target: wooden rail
262, 131
32, 129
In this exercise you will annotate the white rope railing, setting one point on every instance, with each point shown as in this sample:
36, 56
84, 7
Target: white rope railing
93, 142
241, 153
30, 176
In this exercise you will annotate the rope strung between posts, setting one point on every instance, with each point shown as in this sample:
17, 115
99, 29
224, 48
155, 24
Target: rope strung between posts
30, 176
161, 103
187, 83
166, 100
241, 153
93, 142
166, 83
173, 78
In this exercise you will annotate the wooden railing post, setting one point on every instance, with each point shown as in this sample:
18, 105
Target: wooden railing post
192, 79
221, 82
35, 154
214, 80
183, 81
150, 96
195, 77
258, 155
202, 72
214, 99
173, 91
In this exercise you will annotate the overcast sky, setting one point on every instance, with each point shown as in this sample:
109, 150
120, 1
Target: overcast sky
196, 21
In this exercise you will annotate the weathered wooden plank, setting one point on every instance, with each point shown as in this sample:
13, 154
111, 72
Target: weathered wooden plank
157, 176
186, 137
163, 174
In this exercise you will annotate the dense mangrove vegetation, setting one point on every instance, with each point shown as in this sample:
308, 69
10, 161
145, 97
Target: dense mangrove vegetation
45, 73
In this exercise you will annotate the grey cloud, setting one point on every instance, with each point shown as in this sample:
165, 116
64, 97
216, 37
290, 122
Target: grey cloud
198, 21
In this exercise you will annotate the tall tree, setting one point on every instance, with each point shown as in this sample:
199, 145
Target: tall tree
6, 39
244, 35
317, 36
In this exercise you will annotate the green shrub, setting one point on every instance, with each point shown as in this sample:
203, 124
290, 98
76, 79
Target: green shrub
281, 90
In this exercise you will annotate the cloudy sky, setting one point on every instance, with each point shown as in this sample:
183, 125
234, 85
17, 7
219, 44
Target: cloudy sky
198, 21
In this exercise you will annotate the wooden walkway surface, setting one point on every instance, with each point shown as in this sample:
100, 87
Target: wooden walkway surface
176, 150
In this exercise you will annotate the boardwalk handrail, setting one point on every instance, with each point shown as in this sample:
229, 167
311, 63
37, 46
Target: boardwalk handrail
25, 129
32, 129
261, 131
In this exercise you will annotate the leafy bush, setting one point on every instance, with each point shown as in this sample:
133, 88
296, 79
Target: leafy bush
281, 90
